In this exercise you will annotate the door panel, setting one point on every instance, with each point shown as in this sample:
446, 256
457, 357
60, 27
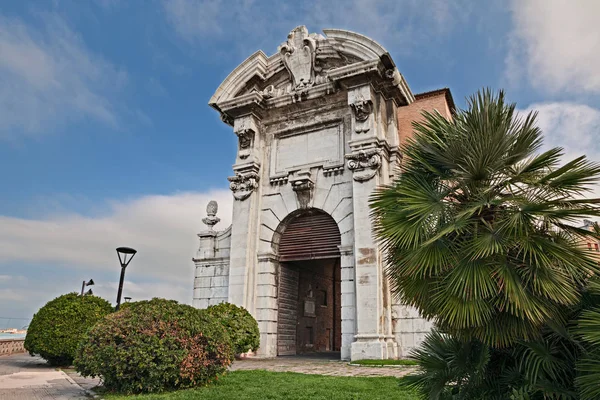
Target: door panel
287, 314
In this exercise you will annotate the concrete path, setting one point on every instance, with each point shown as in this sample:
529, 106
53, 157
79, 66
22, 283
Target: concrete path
319, 366
23, 377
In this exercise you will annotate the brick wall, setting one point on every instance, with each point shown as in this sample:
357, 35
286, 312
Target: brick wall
437, 100
408, 327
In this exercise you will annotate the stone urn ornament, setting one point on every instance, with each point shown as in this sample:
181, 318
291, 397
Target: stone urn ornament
211, 218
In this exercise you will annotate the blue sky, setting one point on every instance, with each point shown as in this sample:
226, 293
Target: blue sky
106, 138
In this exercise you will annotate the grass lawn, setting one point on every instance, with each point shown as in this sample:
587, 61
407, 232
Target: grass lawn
286, 385
380, 363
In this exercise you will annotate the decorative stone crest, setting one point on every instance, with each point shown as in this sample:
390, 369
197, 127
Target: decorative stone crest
364, 163
211, 218
362, 111
242, 185
298, 56
245, 137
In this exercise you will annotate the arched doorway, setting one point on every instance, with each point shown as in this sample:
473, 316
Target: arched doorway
309, 298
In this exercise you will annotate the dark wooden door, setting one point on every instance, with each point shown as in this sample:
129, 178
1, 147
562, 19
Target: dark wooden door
287, 315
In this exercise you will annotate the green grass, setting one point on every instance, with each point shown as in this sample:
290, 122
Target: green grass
286, 385
384, 362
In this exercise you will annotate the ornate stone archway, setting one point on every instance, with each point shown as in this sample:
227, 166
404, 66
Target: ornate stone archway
319, 126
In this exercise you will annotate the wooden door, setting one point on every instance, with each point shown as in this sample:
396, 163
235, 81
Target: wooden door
287, 314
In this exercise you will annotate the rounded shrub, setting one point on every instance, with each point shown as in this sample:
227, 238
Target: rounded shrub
156, 345
239, 324
58, 327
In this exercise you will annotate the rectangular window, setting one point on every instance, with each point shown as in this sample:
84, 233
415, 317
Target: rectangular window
310, 335
589, 246
323, 298
596, 246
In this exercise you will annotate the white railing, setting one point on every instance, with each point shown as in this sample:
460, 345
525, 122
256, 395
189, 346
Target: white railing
10, 346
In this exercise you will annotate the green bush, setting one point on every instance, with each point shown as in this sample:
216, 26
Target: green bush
58, 327
155, 345
239, 324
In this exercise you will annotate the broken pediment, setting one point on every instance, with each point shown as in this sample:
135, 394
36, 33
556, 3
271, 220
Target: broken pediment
306, 62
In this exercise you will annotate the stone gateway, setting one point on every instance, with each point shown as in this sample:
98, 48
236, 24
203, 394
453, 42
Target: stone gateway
319, 126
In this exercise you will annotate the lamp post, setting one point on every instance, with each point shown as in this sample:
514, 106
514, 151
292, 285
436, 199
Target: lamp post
123, 252
84, 284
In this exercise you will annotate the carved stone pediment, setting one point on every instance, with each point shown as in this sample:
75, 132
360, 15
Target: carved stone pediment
307, 66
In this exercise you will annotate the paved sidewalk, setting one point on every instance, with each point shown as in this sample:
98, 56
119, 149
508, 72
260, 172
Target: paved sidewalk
319, 366
23, 377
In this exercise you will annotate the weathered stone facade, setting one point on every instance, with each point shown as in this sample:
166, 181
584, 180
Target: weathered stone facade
319, 128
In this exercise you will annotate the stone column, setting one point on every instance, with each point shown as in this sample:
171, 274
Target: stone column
210, 279
205, 270
245, 187
348, 289
266, 304
365, 162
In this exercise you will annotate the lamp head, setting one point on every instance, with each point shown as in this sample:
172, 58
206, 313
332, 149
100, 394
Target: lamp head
124, 253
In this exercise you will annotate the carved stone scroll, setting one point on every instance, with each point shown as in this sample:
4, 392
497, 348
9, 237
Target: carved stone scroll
242, 185
364, 163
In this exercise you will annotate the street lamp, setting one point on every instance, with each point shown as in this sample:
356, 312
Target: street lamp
123, 252
84, 284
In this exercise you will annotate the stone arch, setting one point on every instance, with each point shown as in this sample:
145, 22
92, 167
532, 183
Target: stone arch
307, 244
307, 234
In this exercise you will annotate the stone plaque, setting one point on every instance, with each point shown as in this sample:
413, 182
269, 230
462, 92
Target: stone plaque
319, 146
309, 307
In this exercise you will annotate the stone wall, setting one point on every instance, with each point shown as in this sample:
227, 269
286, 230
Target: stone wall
211, 280
10, 346
409, 328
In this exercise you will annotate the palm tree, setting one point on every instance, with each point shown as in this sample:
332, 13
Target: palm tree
481, 234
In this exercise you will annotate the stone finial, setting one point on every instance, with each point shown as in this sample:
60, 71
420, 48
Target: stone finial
211, 218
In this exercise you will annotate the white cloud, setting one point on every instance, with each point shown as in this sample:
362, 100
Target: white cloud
574, 127
162, 228
556, 45
194, 18
394, 22
8, 294
48, 78
21, 297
